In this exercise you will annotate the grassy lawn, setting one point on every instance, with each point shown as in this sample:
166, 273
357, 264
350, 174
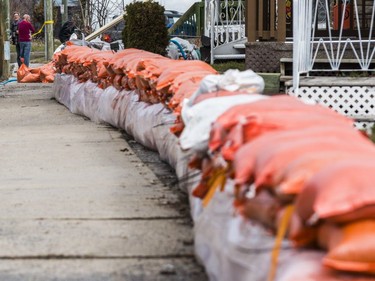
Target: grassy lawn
372, 135
37, 50
222, 66
271, 80
37, 45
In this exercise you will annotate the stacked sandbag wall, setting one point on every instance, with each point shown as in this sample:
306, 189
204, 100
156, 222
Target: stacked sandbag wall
280, 189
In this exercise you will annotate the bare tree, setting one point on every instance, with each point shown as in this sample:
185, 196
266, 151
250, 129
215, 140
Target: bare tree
122, 4
86, 12
103, 9
23, 6
98, 13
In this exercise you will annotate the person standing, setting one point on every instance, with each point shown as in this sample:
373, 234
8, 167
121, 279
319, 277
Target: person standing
14, 34
25, 29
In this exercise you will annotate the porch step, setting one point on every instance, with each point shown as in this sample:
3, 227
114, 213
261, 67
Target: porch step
239, 46
230, 57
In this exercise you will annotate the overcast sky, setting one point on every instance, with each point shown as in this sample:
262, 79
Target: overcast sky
178, 5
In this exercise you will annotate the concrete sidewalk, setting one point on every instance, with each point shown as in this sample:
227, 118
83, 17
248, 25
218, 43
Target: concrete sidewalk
78, 204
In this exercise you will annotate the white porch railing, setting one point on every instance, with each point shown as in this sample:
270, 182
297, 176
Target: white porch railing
312, 15
224, 22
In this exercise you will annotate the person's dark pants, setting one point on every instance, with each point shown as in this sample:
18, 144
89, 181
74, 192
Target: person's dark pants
25, 50
18, 50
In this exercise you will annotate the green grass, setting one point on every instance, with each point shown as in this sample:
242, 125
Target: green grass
37, 45
39, 60
372, 134
222, 66
37, 50
271, 80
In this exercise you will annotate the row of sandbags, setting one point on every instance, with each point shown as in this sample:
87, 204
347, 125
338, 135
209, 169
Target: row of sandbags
230, 247
156, 78
287, 161
298, 168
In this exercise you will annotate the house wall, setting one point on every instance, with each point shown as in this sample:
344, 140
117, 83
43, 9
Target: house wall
265, 56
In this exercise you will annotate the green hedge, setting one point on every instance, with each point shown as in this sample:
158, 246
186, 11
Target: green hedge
145, 27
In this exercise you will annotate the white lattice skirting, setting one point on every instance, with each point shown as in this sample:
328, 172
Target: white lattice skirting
353, 97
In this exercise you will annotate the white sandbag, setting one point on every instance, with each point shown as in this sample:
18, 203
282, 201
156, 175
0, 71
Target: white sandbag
57, 88
235, 80
231, 247
210, 229
307, 265
303, 265
106, 104
140, 121
232, 80
61, 88
166, 142
208, 84
133, 106
120, 107
92, 95
77, 98
198, 119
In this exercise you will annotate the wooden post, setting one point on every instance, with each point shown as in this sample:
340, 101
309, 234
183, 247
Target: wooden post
261, 14
65, 15
251, 20
48, 17
4, 39
281, 18
272, 18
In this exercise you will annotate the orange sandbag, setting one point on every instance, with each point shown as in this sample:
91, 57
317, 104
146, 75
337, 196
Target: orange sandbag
47, 73
144, 64
117, 82
279, 112
49, 79
35, 70
186, 90
31, 78
154, 67
341, 192
292, 178
170, 74
195, 77
253, 157
277, 157
262, 123
356, 250
22, 71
